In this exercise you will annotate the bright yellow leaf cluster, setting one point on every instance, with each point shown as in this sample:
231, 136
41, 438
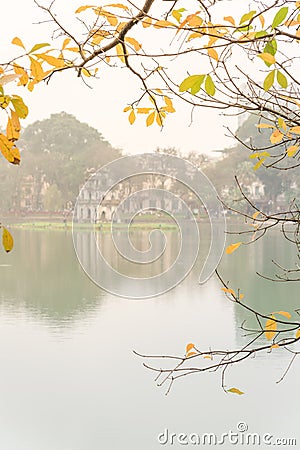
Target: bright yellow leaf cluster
154, 113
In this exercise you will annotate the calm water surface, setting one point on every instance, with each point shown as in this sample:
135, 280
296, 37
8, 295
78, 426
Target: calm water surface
69, 379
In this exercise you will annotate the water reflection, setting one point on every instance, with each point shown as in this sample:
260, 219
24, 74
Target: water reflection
83, 389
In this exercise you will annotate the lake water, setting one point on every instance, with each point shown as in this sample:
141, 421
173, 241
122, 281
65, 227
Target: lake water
69, 379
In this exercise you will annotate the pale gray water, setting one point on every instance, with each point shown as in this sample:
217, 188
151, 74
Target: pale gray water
69, 379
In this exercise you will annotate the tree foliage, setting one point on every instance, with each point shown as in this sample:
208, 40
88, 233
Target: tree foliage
181, 52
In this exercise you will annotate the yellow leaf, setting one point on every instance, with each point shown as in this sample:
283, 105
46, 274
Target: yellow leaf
131, 117
262, 20
128, 108
15, 120
194, 36
298, 334
232, 248
56, 62
5, 148
283, 313
276, 137
147, 22
7, 240
16, 155
36, 69
295, 130
4, 101
85, 72
230, 19
73, 49
191, 354
195, 21
150, 119
282, 123
235, 391
213, 54
270, 327
169, 105
65, 43
23, 80
189, 347
291, 151
207, 357
163, 24
241, 296
136, 45
268, 58
259, 163
255, 215
20, 107
229, 291
275, 346
82, 8
120, 52
265, 125
17, 41
159, 119
118, 5
11, 133
111, 18
143, 110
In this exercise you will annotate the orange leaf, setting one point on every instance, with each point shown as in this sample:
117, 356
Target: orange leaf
191, 354
295, 130
213, 54
229, 291
163, 24
230, 19
271, 327
232, 248
268, 58
283, 313
131, 117
189, 347
292, 150
276, 137
147, 22
135, 44
150, 119
17, 41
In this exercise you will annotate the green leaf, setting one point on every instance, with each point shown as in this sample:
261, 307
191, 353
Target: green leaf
260, 34
192, 83
271, 47
210, 86
281, 78
20, 107
248, 16
235, 391
280, 16
269, 80
38, 46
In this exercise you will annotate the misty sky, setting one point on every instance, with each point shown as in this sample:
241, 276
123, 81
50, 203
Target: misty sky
102, 106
